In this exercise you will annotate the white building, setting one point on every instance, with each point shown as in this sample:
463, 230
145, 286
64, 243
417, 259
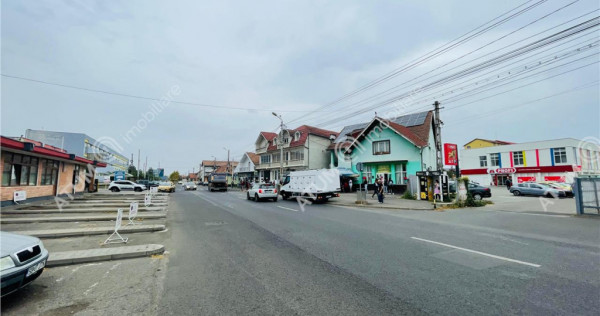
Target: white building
246, 168
557, 160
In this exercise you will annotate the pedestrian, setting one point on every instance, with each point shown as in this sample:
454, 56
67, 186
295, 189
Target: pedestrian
380, 195
508, 183
350, 184
376, 190
390, 182
436, 191
385, 186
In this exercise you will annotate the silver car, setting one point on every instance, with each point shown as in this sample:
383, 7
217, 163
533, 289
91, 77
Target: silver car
262, 191
22, 260
536, 189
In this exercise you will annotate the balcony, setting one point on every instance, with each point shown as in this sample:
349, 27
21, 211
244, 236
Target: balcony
286, 164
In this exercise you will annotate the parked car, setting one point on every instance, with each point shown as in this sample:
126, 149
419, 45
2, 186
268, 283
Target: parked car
22, 260
125, 185
561, 186
189, 186
262, 191
536, 189
478, 192
148, 184
166, 187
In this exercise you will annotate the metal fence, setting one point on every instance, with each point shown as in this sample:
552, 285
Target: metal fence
587, 194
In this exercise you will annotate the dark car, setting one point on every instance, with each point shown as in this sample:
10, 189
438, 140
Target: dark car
147, 184
478, 192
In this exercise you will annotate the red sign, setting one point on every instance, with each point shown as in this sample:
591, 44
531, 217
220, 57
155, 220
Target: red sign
502, 170
555, 178
450, 154
525, 179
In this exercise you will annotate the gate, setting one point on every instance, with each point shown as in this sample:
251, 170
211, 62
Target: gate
587, 194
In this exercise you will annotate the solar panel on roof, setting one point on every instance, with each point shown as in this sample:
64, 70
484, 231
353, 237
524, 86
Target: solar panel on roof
412, 119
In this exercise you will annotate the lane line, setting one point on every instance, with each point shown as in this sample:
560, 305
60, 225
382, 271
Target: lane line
479, 253
287, 208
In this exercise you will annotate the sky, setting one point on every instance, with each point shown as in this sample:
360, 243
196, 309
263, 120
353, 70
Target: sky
292, 57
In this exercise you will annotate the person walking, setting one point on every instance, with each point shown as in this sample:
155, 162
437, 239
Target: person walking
376, 190
350, 184
390, 182
380, 195
385, 186
436, 191
508, 183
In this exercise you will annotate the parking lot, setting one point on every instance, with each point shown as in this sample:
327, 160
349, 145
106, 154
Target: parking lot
505, 201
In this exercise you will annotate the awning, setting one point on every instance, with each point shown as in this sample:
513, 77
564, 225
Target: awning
345, 172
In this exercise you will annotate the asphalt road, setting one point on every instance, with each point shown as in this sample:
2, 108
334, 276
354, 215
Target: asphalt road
228, 255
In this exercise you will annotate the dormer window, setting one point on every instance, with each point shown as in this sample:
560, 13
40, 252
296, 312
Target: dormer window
297, 136
275, 141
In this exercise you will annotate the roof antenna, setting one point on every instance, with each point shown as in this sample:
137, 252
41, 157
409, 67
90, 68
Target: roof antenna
375, 113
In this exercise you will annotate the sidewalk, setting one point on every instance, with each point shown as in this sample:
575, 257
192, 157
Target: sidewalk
390, 202
103, 254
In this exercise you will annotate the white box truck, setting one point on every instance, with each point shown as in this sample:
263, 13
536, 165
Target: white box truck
314, 185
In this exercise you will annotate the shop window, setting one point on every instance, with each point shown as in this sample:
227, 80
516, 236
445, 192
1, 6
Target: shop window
367, 173
560, 155
495, 159
482, 161
381, 147
19, 170
518, 158
49, 172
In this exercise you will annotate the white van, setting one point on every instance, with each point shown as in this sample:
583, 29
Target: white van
315, 185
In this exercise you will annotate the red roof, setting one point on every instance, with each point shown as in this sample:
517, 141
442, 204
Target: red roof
304, 130
253, 157
49, 151
406, 132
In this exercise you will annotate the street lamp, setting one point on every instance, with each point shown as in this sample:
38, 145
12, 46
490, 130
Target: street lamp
280, 141
228, 166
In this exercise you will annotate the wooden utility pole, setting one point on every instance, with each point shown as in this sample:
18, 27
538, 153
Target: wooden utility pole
438, 137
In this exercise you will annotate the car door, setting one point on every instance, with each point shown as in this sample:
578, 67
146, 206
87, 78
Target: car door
127, 185
536, 189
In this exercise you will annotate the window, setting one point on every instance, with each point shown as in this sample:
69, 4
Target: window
381, 147
482, 161
517, 158
297, 136
19, 170
286, 140
276, 157
49, 172
286, 156
275, 141
76, 174
368, 174
560, 155
265, 159
296, 155
495, 159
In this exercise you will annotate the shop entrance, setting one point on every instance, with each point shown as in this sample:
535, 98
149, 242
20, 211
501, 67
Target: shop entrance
501, 179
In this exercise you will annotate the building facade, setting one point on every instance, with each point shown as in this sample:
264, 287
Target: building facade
42, 171
480, 143
246, 169
557, 160
303, 148
84, 146
386, 148
207, 167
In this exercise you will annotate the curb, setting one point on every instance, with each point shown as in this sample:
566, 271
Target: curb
383, 207
73, 219
102, 254
79, 232
77, 210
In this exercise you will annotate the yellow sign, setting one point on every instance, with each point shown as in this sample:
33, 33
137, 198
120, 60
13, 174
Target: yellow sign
383, 169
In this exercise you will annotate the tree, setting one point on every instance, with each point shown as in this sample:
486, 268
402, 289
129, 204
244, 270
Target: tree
150, 174
174, 176
132, 171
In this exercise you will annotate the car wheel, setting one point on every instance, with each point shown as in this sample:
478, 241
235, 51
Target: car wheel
274, 199
256, 198
477, 197
247, 195
516, 193
115, 189
549, 195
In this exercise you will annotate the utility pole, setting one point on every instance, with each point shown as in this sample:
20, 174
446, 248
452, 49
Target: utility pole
280, 141
438, 137
146, 167
137, 176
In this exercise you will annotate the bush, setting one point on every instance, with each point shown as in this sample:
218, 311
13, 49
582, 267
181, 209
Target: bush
408, 196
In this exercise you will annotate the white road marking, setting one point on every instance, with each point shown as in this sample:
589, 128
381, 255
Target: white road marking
287, 208
479, 253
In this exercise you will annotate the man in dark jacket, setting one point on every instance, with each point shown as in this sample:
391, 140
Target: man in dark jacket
508, 183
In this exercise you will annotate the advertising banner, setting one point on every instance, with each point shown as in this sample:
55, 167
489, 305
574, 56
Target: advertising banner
450, 154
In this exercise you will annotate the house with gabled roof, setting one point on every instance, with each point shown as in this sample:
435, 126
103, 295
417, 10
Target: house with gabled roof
303, 148
246, 169
390, 148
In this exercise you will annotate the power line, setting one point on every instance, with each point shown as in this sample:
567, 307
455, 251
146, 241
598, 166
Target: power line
148, 98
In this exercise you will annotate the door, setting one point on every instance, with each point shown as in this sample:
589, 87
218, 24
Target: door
126, 185
536, 189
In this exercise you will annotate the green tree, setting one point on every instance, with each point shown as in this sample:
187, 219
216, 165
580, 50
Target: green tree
174, 176
150, 174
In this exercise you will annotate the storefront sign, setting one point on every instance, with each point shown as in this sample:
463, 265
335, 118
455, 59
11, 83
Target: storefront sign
502, 170
19, 196
383, 169
555, 178
450, 154
525, 179
119, 175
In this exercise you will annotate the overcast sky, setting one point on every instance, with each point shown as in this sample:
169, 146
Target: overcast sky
284, 55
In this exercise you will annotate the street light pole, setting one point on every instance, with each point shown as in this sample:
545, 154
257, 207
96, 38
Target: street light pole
228, 166
280, 141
